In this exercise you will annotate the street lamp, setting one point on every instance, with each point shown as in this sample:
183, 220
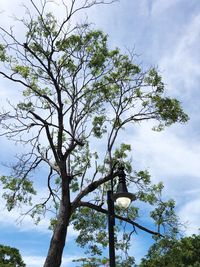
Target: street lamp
123, 199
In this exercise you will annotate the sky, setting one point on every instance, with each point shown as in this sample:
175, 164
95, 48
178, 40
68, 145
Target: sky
165, 34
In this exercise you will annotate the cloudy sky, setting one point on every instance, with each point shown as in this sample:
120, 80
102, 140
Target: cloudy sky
165, 34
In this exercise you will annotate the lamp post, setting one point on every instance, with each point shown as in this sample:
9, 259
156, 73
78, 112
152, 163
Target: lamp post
123, 199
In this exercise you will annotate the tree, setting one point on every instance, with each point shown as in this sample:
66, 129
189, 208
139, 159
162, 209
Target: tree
10, 257
174, 253
78, 95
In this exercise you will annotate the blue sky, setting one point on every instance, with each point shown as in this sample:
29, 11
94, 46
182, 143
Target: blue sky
166, 34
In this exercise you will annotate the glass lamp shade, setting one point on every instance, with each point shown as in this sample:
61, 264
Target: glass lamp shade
123, 202
123, 199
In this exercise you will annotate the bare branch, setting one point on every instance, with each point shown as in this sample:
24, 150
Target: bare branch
104, 211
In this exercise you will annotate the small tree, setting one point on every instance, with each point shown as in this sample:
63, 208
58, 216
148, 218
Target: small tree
174, 253
79, 96
10, 257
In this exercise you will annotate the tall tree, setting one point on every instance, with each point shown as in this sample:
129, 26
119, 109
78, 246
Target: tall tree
79, 96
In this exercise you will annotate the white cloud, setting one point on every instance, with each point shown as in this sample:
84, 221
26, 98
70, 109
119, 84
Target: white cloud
181, 63
160, 6
189, 213
13, 219
35, 261
165, 152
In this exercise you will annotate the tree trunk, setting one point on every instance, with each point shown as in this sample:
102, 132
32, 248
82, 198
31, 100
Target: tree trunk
54, 256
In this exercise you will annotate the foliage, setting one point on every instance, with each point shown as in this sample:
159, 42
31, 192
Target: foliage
92, 262
10, 257
97, 262
79, 97
174, 253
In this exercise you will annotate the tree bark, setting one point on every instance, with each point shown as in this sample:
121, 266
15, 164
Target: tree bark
57, 244
54, 256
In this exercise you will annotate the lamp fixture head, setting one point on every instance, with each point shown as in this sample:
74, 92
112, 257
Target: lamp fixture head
122, 197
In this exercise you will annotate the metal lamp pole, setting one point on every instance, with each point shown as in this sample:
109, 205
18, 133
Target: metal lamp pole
111, 224
123, 199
